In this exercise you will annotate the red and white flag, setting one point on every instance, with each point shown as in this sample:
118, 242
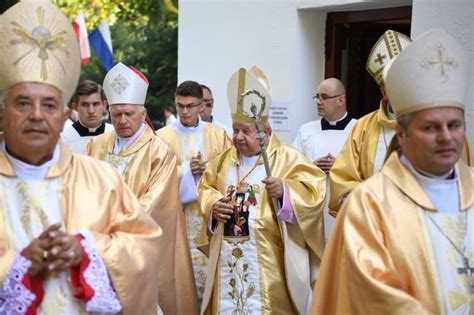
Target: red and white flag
81, 33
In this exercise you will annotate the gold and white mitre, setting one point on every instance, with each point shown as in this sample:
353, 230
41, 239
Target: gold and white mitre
256, 85
38, 44
125, 85
430, 72
387, 47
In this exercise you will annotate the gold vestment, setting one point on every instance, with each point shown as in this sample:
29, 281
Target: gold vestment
151, 173
306, 187
378, 259
94, 198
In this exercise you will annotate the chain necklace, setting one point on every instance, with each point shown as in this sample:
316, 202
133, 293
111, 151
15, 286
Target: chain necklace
239, 180
466, 269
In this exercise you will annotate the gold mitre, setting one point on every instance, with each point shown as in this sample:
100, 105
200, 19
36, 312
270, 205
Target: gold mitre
38, 44
387, 47
430, 72
248, 82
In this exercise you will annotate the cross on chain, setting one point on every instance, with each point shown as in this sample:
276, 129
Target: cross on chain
442, 63
469, 272
380, 58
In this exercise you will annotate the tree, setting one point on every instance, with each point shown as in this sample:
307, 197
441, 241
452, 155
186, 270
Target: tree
144, 35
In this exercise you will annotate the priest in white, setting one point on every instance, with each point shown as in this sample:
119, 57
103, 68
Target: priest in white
321, 140
90, 103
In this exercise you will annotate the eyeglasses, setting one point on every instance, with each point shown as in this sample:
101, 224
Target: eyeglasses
188, 106
323, 97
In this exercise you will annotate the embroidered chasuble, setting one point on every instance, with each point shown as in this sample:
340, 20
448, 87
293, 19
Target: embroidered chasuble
209, 140
397, 249
363, 155
250, 254
75, 136
149, 168
88, 198
315, 142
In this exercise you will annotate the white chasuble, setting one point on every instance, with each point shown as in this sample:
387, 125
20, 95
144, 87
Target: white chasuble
29, 207
192, 142
238, 275
451, 234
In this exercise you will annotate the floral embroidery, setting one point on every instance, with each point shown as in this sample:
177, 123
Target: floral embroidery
15, 298
105, 299
240, 288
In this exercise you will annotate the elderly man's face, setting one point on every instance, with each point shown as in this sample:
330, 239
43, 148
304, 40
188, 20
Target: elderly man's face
434, 139
33, 119
244, 138
127, 118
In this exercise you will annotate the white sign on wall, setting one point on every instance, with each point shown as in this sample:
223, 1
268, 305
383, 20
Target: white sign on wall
279, 116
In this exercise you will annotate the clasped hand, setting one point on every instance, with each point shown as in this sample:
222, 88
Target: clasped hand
52, 252
198, 166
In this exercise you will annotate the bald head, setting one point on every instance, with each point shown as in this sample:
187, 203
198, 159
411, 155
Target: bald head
332, 99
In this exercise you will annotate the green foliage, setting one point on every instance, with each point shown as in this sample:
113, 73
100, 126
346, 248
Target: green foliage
144, 35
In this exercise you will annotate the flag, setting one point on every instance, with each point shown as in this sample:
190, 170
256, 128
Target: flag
101, 42
81, 33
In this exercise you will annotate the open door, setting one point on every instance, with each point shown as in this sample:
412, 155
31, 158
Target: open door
350, 36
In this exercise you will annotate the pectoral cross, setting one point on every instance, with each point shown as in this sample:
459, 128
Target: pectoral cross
469, 272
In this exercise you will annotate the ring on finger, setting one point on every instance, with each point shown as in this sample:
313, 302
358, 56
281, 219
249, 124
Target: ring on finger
45, 255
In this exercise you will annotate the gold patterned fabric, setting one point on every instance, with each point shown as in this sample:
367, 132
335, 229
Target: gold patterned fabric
378, 259
93, 197
215, 141
38, 44
355, 162
306, 187
149, 168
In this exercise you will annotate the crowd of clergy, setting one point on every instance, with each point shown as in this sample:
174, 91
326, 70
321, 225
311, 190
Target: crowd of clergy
365, 216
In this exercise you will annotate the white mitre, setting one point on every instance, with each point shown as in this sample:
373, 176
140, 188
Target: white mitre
387, 48
254, 84
430, 72
125, 85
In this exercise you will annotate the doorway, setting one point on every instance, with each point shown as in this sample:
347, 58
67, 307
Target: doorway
350, 36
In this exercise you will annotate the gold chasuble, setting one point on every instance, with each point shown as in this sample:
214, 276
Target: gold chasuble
251, 266
149, 168
82, 193
386, 259
363, 154
209, 140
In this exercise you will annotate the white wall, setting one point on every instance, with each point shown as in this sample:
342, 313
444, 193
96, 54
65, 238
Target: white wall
284, 37
455, 17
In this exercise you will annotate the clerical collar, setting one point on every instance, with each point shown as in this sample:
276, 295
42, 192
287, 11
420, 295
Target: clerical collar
27, 171
451, 175
188, 130
339, 124
122, 143
85, 131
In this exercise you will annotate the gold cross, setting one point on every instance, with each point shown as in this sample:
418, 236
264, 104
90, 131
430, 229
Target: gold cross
442, 63
380, 58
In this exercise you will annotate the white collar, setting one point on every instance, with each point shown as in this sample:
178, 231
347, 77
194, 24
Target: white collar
90, 129
334, 122
27, 171
188, 130
122, 143
427, 178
